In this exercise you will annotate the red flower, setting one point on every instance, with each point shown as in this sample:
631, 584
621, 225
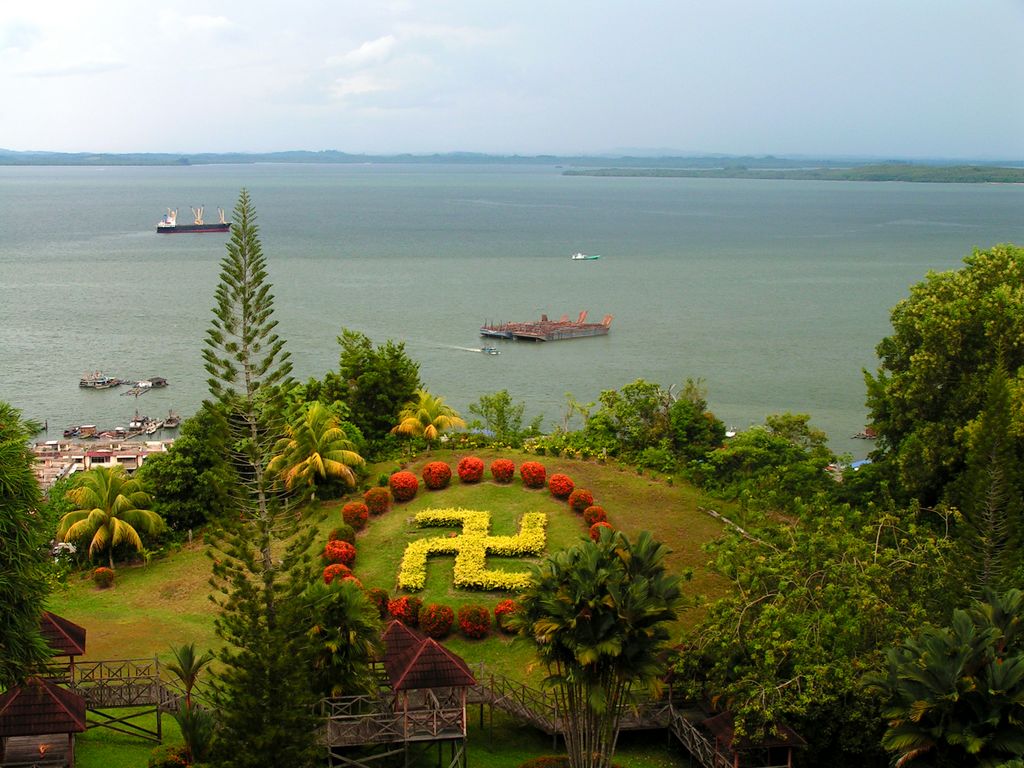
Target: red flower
437, 475
580, 499
560, 486
339, 551
103, 577
503, 470
471, 469
334, 571
406, 609
355, 513
502, 611
378, 500
594, 514
595, 530
474, 621
533, 474
404, 485
436, 620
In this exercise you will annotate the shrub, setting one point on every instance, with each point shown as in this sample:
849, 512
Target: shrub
560, 486
594, 514
382, 479
595, 530
471, 469
474, 621
339, 551
533, 474
436, 620
355, 513
378, 500
437, 475
334, 571
580, 499
403, 485
379, 598
502, 611
168, 756
103, 578
406, 609
343, 532
503, 470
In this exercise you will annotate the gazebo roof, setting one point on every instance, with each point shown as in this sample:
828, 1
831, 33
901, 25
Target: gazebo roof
40, 707
723, 729
413, 660
65, 637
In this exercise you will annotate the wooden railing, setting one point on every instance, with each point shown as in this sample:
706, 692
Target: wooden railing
696, 742
120, 683
380, 719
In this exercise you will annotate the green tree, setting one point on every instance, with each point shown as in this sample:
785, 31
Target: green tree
314, 450
346, 636
261, 565
427, 416
23, 537
694, 430
597, 615
636, 415
110, 509
954, 696
812, 605
948, 335
379, 380
190, 482
196, 724
503, 418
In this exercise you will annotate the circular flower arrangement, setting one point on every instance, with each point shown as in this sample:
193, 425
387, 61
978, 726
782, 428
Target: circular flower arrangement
533, 474
595, 530
339, 551
345, 532
377, 500
336, 571
406, 609
404, 485
355, 513
580, 499
474, 621
594, 514
560, 486
436, 620
503, 470
103, 577
502, 611
471, 469
437, 475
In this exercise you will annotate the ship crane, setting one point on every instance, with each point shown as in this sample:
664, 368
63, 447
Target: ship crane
198, 213
221, 212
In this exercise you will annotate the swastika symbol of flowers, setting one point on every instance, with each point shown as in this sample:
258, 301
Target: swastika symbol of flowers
471, 549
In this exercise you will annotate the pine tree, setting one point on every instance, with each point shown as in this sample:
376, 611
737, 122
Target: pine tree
261, 565
23, 535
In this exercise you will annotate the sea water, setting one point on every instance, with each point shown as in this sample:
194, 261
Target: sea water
774, 293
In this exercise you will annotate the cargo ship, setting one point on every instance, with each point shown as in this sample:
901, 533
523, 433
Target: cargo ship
169, 224
547, 330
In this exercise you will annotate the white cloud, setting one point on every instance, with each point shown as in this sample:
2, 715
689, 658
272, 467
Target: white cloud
74, 69
370, 52
360, 84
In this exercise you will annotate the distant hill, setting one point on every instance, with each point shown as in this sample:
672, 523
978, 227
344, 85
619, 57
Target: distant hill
948, 174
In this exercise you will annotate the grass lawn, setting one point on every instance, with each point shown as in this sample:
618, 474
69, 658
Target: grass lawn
166, 602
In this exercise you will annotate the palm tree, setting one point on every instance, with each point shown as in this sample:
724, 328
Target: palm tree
598, 616
427, 416
345, 636
314, 449
196, 724
111, 508
186, 667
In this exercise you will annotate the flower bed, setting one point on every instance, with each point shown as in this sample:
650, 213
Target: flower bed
406, 609
594, 514
471, 549
336, 571
560, 486
533, 474
580, 499
339, 551
404, 485
595, 530
471, 470
436, 620
474, 621
437, 475
502, 611
377, 500
355, 513
103, 577
503, 470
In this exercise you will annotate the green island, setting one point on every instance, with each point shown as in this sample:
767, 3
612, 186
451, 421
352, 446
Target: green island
346, 571
937, 174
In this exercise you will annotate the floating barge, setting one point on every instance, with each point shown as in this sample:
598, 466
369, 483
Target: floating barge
548, 330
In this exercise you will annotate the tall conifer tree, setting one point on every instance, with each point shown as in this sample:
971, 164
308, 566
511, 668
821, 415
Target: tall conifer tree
263, 688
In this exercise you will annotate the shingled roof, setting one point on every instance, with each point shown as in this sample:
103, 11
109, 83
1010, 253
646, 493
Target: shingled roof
40, 707
65, 637
723, 729
413, 660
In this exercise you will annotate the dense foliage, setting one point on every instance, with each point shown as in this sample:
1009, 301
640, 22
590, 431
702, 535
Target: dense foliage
503, 470
403, 485
502, 419
470, 469
474, 621
580, 499
533, 474
437, 475
379, 381
345, 634
436, 620
378, 500
355, 514
560, 485
427, 416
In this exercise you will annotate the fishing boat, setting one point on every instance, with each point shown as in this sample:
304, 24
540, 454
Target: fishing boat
584, 256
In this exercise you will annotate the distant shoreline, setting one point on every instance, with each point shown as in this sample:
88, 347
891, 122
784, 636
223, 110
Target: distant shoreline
933, 174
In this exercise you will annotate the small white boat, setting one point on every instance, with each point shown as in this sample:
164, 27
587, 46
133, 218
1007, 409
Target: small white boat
584, 257
490, 350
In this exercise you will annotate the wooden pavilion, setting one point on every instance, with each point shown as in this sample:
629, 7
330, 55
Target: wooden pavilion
66, 639
38, 723
771, 752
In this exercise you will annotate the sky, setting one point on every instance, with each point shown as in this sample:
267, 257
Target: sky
867, 78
